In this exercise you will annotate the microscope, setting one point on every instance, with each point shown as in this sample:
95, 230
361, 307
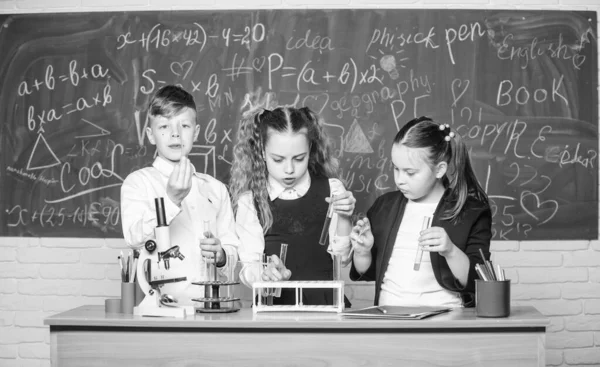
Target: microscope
153, 271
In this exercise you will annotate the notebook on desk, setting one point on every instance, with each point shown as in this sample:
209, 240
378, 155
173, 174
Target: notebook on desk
395, 312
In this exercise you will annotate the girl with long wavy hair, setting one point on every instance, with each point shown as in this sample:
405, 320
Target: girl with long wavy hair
283, 176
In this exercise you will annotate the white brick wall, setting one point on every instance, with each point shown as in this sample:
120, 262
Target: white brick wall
43, 276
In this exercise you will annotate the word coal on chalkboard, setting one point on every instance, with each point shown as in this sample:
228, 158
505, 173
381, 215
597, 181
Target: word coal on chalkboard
520, 86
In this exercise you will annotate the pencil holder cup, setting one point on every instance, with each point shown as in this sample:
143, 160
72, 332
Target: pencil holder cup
127, 297
112, 305
492, 298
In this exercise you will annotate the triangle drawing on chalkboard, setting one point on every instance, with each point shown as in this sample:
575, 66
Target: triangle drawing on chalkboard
42, 156
102, 132
356, 141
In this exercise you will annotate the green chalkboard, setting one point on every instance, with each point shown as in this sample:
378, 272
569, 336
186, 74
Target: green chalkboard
521, 86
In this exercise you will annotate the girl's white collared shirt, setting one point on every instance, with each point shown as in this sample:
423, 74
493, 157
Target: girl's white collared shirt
250, 232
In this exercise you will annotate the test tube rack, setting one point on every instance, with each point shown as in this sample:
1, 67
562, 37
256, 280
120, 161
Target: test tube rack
213, 302
258, 288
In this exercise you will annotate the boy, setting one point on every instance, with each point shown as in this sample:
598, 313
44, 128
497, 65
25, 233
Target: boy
190, 198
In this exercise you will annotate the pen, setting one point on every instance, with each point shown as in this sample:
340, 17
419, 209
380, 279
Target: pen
383, 310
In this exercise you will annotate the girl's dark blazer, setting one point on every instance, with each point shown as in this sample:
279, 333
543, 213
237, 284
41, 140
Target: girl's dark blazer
472, 231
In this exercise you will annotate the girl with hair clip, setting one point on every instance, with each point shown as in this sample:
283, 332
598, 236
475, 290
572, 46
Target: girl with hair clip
434, 177
283, 177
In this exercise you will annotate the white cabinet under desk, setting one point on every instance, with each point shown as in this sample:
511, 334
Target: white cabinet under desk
87, 336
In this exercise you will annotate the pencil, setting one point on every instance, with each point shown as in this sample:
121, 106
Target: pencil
128, 269
499, 272
136, 255
482, 255
121, 266
488, 266
481, 272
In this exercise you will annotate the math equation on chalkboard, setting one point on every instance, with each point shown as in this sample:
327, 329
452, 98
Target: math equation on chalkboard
519, 86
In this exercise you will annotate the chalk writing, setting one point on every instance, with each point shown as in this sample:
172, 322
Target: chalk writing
519, 87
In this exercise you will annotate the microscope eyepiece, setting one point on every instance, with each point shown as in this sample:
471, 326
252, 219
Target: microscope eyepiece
161, 218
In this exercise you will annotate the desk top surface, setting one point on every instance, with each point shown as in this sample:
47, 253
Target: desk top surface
522, 317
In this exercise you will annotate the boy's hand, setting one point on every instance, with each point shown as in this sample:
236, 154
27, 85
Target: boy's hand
211, 246
180, 181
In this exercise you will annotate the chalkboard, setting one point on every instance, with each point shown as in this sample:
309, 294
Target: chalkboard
520, 86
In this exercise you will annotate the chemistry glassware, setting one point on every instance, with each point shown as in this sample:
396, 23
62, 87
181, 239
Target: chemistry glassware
426, 224
282, 257
325, 231
211, 267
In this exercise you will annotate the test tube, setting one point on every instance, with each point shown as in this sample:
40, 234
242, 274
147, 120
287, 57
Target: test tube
282, 256
426, 224
325, 230
267, 293
210, 267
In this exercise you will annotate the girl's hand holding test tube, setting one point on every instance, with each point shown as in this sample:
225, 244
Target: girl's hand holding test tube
361, 236
342, 203
276, 270
435, 239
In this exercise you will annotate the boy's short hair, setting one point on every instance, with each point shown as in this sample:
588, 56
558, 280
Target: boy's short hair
169, 100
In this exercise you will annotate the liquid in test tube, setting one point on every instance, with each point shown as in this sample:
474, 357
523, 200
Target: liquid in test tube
282, 256
211, 268
426, 224
325, 230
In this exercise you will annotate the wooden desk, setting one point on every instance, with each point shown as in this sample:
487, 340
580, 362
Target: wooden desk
86, 336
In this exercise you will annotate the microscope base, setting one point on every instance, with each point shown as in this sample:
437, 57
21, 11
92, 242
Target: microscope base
150, 306
155, 311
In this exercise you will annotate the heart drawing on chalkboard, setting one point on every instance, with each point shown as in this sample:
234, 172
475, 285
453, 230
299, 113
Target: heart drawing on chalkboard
540, 206
182, 69
457, 83
258, 63
317, 102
